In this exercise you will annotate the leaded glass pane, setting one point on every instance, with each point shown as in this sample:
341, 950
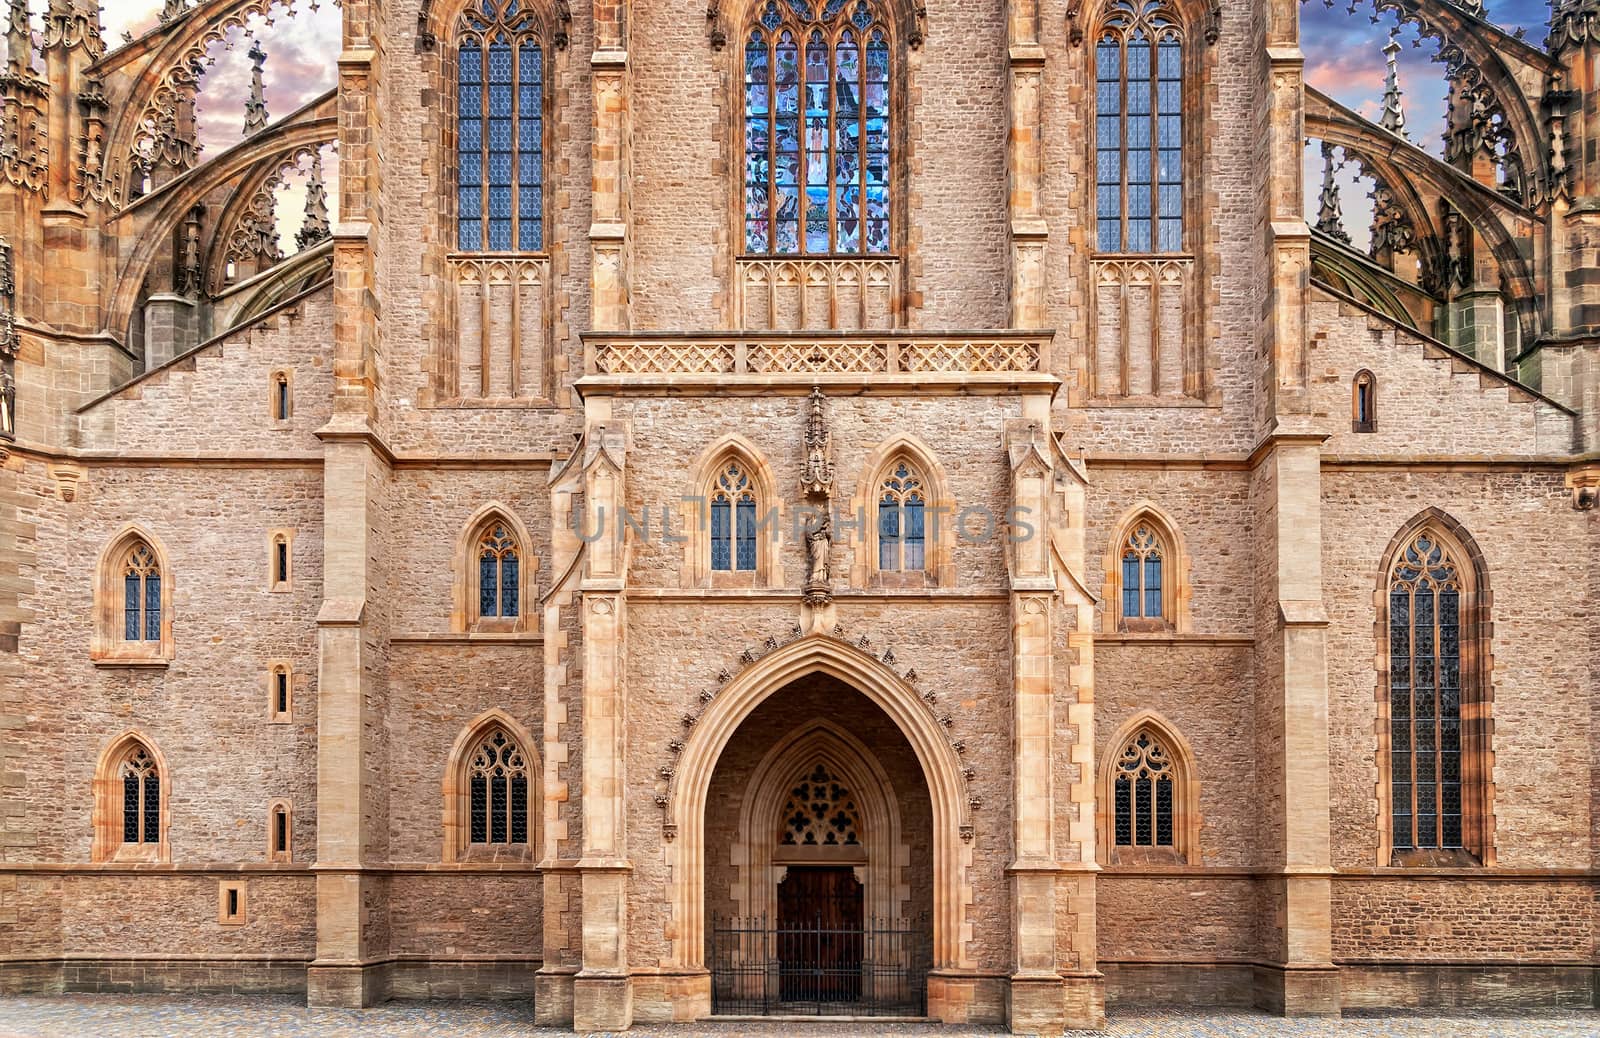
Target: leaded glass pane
152, 607
915, 535
130, 607
1130, 585
1124, 811
519, 809
479, 794
721, 535
1141, 812
130, 808
1164, 813
509, 605
488, 585
889, 534
152, 807
745, 534
1152, 586
498, 816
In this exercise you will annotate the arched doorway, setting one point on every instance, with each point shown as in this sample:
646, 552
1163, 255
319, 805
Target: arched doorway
819, 865
690, 809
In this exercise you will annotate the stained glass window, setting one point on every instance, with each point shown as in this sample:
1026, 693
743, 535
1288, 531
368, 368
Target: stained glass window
498, 572
141, 798
733, 521
499, 129
1139, 130
902, 534
497, 784
1425, 696
1142, 794
816, 129
141, 596
1141, 574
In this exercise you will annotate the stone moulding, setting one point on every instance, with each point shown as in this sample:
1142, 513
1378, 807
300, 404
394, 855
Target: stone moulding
799, 356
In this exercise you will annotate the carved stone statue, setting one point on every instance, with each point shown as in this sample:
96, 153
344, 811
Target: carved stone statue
819, 542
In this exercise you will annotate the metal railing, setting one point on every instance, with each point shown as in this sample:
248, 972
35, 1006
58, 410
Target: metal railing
762, 968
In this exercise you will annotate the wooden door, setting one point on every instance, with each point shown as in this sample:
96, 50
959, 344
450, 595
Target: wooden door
820, 927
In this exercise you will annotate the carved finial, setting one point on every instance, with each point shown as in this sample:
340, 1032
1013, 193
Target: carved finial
19, 40
1394, 116
190, 271
171, 9
817, 477
315, 227
1330, 214
255, 109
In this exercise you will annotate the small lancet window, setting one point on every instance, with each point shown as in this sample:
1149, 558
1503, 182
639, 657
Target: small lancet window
141, 600
1141, 575
497, 780
1363, 403
733, 521
141, 798
280, 831
1425, 591
282, 401
1139, 130
1143, 794
500, 150
817, 91
280, 559
498, 573
901, 520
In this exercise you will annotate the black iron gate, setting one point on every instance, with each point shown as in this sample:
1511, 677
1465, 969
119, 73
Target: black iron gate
816, 968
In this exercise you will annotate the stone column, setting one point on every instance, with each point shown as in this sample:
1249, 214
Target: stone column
1025, 165
1299, 977
608, 231
603, 989
1049, 986
351, 809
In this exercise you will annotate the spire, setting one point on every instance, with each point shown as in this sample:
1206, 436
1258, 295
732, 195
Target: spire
1394, 116
19, 40
315, 228
1330, 214
255, 109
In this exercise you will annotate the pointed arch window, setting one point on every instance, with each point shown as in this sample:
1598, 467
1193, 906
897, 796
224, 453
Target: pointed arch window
141, 798
1139, 130
817, 103
1143, 558
498, 573
1144, 788
497, 792
130, 802
1425, 690
500, 132
1364, 402
902, 531
141, 595
733, 521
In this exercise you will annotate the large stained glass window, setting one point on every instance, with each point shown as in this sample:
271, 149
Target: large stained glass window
733, 521
497, 782
499, 129
1425, 592
1139, 130
816, 129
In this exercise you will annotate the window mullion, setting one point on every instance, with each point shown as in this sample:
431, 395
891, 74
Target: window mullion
1411, 693
1122, 141
486, 174
772, 142
516, 144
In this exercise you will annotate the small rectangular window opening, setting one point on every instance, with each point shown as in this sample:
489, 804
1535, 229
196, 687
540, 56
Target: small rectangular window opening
281, 683
282, 561
280, 397
280, 831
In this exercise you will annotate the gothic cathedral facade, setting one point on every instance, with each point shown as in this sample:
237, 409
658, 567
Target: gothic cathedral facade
902, 479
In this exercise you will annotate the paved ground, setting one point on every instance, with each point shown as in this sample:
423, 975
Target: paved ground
155, 1016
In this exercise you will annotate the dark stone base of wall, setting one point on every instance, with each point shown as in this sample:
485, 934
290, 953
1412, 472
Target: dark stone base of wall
1409, 986
1363, 986
185, 976
476, 980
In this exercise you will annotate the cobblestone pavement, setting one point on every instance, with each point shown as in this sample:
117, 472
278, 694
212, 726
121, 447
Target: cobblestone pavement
159, 1016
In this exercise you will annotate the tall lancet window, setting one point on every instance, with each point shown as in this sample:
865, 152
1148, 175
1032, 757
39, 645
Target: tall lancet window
141, 596
733, 521
817, 99
1425, 744
500, 74
1139, 130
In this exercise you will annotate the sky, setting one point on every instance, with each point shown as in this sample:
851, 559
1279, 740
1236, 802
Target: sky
1343, 48
1345, 60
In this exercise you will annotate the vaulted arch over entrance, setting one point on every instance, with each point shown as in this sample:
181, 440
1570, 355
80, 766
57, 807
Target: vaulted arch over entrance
900, 795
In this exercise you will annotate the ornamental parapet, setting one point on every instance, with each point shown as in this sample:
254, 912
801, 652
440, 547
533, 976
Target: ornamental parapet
963, 361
